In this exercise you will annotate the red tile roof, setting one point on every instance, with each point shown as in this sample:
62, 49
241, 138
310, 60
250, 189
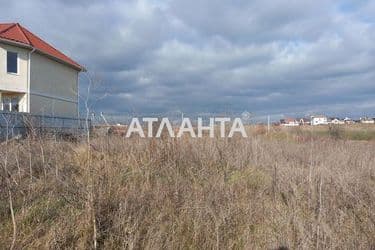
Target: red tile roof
14, 32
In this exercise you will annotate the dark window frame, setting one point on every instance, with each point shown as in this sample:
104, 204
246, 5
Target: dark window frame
12, 62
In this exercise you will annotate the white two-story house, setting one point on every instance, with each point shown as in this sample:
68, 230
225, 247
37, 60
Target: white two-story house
319, 120
35, 77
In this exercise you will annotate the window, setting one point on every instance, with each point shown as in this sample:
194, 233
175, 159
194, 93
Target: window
14, 104
12, 62
10, 103
6, 103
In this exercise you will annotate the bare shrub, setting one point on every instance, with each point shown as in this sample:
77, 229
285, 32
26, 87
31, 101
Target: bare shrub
336, 132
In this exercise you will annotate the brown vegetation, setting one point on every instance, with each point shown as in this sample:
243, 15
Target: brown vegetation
262, 192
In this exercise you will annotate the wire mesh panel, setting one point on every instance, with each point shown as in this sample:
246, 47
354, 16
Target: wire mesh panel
14, 124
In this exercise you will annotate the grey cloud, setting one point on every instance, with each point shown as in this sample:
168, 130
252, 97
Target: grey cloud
277, 57
252, 21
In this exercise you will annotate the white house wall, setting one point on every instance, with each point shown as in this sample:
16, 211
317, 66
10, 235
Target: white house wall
13, 82
54, 87
52, 107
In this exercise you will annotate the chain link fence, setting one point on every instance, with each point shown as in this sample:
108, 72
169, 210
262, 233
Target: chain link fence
14, 124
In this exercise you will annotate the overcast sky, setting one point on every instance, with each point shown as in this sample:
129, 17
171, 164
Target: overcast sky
279, 57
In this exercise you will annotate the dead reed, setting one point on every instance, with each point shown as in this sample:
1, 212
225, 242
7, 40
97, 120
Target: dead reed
261, 192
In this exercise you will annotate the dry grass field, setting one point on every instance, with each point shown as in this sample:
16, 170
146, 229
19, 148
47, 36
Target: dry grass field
291, 188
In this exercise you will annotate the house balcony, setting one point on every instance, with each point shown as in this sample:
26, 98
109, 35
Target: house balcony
13, 101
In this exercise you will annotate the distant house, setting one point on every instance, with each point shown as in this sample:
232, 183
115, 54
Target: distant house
319, 120
366, 120
336, 121
348, 120
304, 121
289, 122
34, 76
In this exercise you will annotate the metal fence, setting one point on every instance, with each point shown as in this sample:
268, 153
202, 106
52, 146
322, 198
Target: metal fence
20, 124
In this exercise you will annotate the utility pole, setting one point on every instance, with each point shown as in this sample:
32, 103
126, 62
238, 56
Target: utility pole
268, 124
